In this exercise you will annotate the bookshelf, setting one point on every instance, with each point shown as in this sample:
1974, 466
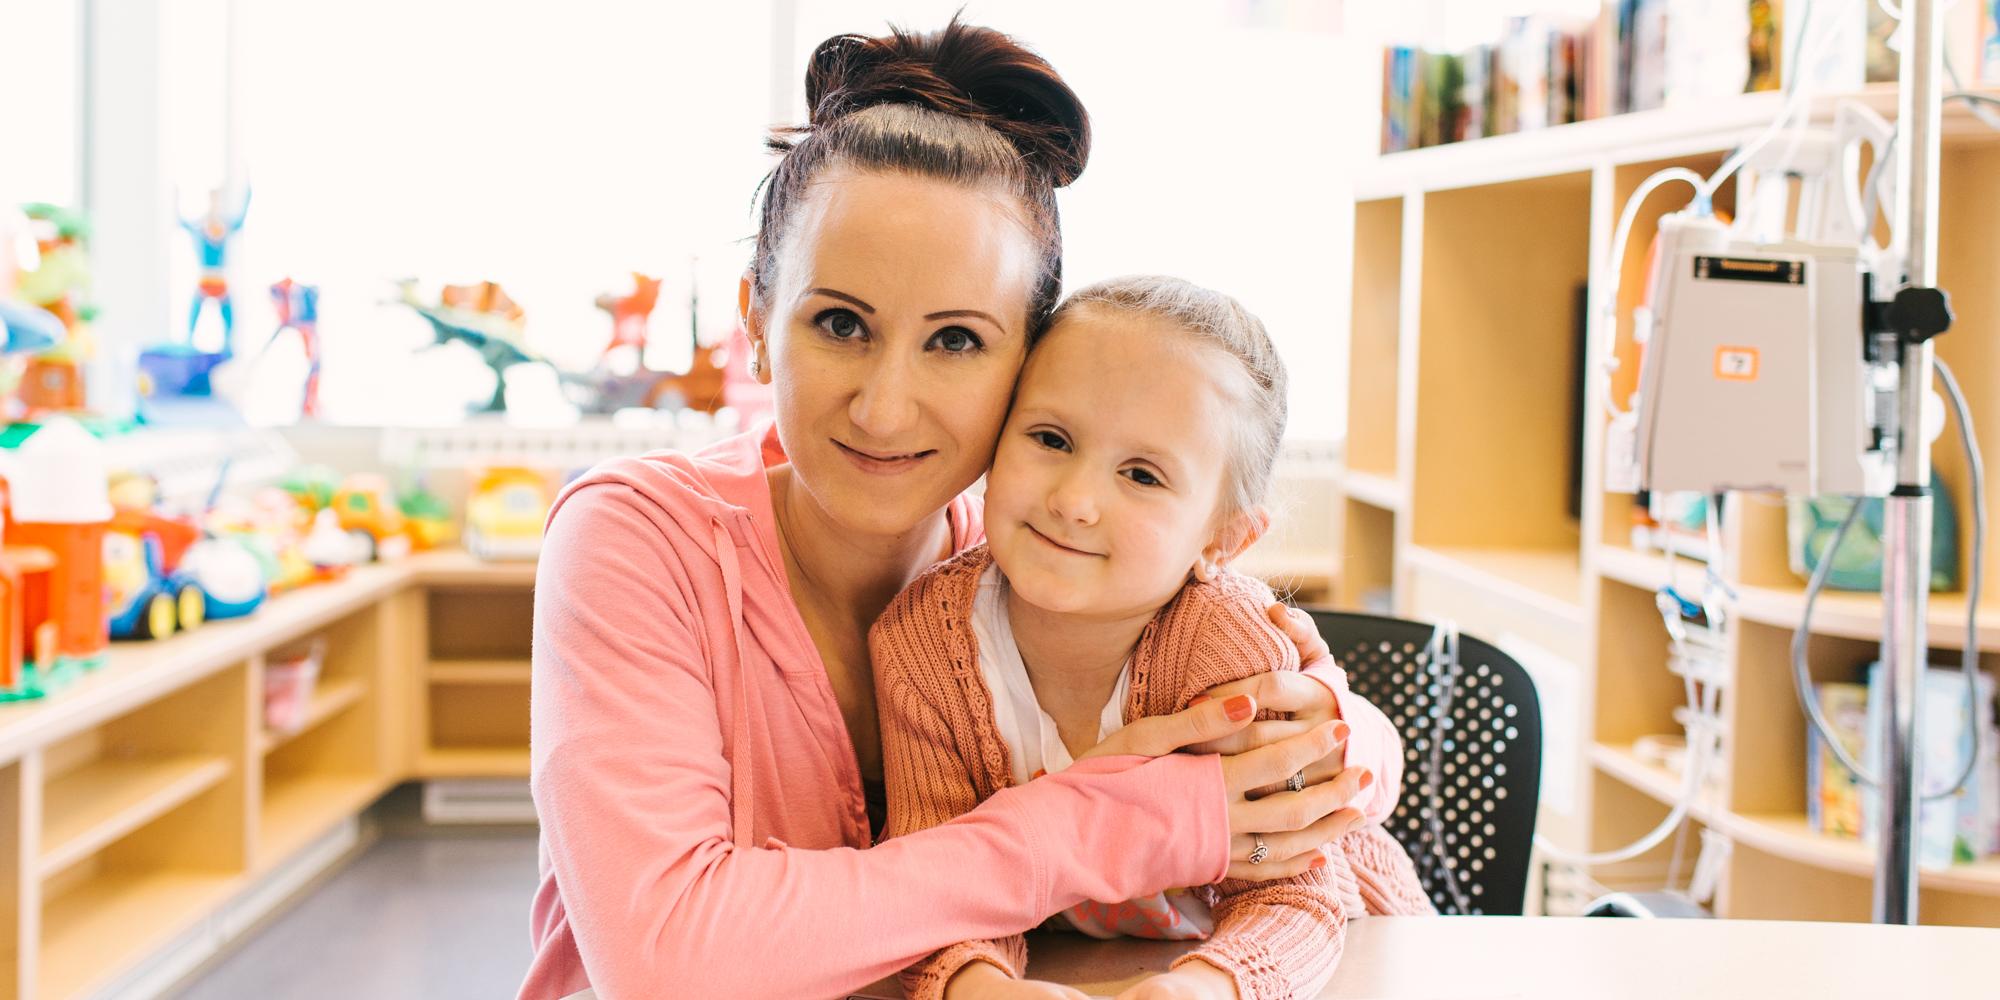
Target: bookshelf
1458, 500
147, 809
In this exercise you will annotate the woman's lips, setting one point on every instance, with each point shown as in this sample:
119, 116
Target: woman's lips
1072, 550
882, 464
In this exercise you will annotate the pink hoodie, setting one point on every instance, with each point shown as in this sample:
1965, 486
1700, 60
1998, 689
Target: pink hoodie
703, 824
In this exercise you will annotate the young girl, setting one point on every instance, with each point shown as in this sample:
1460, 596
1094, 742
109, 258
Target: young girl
1131, 470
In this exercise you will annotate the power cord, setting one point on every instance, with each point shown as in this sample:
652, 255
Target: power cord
1802, 675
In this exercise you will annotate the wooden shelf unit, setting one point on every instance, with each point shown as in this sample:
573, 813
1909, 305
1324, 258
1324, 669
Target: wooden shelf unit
1473, 484
149, 797
472, 699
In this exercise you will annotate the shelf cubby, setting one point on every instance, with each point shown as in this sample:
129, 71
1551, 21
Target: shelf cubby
1636, 694
1368, 558
1374, 339
1497, 363
145, 831
174, 766
479, 717
473, 623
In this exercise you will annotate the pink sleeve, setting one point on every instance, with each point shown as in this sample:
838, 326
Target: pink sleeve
1372, 741
633, 789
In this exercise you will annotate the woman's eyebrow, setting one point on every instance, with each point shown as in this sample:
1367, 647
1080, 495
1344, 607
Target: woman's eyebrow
950, 313
844, 297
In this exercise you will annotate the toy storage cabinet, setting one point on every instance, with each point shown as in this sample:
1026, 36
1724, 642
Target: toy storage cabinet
144, 810
1463, 360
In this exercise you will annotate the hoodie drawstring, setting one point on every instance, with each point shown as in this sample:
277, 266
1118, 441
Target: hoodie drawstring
742, 811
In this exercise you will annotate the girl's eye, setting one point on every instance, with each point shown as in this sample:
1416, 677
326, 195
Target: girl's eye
1050, 440
956, 340
1143, 477
840, 324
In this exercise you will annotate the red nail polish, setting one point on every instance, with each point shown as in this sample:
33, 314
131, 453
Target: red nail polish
1239, 707
1367, 778
1197, 699
1318, 862
1340, 731
1040, 771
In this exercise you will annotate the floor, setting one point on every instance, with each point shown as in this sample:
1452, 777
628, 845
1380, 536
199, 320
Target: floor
437, 913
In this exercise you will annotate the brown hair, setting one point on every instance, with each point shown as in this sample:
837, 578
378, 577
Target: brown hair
964, 104
1219, 321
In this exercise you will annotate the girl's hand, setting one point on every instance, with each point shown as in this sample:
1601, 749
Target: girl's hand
983, 981
1197, 980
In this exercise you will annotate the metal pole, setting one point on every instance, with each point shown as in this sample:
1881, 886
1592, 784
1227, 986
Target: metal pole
1906, 539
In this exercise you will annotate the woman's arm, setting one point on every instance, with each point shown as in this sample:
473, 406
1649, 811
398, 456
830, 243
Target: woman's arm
633, 791
924, 765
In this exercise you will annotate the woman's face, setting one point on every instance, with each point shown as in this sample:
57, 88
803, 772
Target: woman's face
895, 329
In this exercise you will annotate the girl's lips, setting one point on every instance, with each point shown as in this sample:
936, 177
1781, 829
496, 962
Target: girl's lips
1072, 550
886, 465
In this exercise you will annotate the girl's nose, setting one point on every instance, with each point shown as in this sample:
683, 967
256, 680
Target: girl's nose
1072, 499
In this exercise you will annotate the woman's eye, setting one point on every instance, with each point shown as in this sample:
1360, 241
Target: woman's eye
840, 324
956, 340
1143, 477
1050, 439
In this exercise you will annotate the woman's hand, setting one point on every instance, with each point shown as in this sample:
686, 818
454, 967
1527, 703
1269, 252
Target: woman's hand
1306, 702
1293, 826
1197, 980
984, 981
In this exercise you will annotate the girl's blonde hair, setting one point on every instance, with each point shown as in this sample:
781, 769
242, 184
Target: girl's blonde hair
1216, 319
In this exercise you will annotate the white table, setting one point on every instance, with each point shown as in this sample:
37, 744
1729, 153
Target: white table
1545, 958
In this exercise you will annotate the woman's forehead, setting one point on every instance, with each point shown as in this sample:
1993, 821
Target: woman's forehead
913, 241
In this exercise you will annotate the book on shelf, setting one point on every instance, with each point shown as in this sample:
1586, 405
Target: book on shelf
1960, 827
1989, 41
1833, 793
1538, 73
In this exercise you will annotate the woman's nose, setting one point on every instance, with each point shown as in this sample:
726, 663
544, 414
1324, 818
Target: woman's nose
885, 407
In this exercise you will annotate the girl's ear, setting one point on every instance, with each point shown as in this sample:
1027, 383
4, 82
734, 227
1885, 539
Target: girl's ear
752, 319
1236, 535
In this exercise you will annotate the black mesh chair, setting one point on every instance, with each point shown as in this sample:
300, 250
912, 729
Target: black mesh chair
1490, 765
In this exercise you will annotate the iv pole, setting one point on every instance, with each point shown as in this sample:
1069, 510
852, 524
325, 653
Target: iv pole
1918, 313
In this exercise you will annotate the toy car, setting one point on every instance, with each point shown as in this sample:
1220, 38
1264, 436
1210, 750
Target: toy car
504, 515
367, 510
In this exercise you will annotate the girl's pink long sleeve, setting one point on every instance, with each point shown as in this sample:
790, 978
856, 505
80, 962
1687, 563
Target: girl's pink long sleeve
635, 742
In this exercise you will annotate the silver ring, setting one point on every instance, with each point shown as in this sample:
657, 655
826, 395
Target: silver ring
1297, 782
1261, 851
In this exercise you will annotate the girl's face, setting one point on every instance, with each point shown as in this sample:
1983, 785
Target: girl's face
1106, 485
896, 326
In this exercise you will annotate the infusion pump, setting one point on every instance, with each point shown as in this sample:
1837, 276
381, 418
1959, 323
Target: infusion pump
1764, 366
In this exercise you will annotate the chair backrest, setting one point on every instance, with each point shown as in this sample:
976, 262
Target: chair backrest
1490, 764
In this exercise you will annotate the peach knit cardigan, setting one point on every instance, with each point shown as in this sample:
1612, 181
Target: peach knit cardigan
943, 754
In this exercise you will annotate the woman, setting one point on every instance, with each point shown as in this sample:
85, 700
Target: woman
706, 763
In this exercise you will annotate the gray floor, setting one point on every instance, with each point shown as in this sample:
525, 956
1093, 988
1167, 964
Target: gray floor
432, 913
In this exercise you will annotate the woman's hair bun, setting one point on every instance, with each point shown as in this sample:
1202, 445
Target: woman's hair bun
964, 70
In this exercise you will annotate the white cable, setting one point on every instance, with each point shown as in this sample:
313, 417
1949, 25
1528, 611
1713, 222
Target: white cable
1700, 738
1614, 273
1441, 656
1802, 675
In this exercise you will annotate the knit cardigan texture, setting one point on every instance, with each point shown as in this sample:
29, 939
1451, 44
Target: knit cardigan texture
943, 754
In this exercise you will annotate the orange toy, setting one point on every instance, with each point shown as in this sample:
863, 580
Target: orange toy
629, 316
59, 500
482, 297
72, 599
23, 568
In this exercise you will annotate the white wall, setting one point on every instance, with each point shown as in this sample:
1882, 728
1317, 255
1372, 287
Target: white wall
1217, 155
